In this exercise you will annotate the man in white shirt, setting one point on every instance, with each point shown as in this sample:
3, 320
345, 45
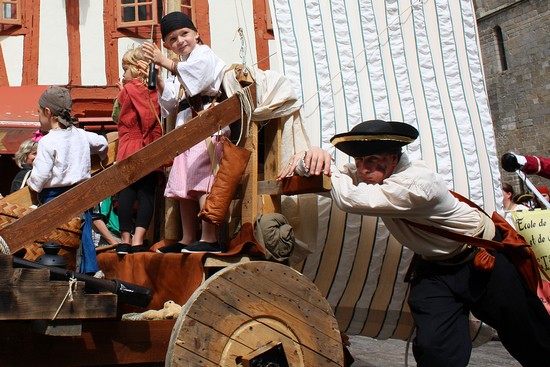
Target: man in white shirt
384, 182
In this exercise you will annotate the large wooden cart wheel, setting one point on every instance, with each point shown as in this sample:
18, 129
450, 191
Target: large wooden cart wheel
246, 306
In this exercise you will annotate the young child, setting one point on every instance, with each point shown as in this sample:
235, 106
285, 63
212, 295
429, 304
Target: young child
63, 160
106, 228
138, 125
196, 79
23, 158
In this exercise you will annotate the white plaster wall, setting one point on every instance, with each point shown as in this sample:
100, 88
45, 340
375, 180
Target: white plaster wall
92, 43
226, 16
12, 49
125, 44
53, 53
273, 45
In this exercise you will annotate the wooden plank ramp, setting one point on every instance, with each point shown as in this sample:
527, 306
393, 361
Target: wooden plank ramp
106, 183
246, 306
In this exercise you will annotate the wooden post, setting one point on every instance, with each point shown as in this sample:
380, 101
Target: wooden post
272, 164
250, 178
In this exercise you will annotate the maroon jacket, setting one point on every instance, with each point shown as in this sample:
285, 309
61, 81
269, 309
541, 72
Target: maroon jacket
537, 165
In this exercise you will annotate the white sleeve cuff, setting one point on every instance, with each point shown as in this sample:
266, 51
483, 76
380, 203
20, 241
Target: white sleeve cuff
301, 169
521, 160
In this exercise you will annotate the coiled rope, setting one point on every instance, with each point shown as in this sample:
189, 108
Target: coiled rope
4, 248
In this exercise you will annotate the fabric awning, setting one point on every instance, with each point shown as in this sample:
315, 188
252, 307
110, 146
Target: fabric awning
18, 115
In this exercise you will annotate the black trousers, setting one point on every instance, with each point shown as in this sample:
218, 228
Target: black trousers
441, 298
143, 191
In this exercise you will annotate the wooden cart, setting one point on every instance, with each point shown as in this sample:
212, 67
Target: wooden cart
243, 313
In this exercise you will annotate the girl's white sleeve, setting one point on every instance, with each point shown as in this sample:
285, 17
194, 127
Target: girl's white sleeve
42, 168
98, 144
168, 100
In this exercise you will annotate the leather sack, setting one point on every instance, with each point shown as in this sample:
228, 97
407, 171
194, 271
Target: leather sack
514, 245
520, 252
231, 168
484, 261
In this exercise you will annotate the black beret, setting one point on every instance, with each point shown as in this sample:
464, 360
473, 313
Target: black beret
175, 20
374, 137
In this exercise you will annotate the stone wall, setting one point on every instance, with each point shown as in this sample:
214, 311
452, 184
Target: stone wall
519, 95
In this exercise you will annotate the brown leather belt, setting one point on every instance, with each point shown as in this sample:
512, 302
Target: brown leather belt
196, 101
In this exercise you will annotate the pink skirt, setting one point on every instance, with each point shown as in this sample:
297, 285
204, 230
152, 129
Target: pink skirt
191, 174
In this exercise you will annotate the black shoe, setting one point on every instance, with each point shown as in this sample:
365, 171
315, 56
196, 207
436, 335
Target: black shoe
175, 248
203, 247
138, 248
124, 249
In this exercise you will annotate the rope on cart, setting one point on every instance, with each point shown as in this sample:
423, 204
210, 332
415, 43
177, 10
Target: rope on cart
73, 283
4, 248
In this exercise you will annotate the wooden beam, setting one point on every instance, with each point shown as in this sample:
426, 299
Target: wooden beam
295, 185
202, 19
72, 10
29, 294
42, 300
4, 82
272, 163
250, 177
30, 13
77, 200
261, 34
102, 343
111, 43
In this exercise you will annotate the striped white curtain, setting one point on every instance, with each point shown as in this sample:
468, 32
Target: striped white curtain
416, 61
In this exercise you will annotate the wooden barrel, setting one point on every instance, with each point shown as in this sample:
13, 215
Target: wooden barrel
246, 306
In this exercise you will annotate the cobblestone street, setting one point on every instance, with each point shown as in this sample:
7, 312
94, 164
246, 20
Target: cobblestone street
370, 352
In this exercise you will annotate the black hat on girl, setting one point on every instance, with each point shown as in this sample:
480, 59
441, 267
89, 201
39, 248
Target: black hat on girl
374, 137
175, 20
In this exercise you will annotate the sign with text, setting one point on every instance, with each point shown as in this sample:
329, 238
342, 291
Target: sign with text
534, 226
